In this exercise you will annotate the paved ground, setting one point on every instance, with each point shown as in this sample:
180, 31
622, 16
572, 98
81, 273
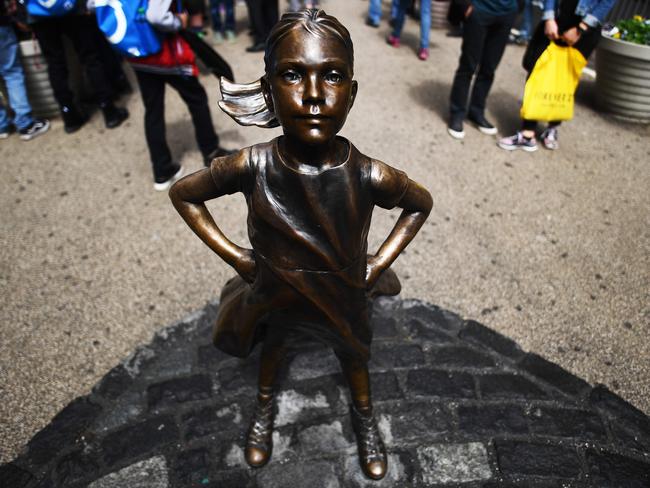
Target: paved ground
458, 406
549, 249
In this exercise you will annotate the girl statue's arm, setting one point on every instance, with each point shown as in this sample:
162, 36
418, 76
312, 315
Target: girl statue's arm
416, 204
189, 196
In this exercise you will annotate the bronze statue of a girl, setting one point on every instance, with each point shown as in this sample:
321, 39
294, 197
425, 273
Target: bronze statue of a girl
310, 197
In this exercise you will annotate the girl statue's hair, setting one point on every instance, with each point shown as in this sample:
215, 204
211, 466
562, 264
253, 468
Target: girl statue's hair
244, 102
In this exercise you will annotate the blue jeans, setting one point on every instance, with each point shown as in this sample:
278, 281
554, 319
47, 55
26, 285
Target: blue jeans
374, 10
215, 12
527, 21
425, 20
12, 72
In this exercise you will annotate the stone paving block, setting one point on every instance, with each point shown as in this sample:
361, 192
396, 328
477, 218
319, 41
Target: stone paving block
508, 386
427, 332
150, 473
11, 476
65, 427
400, 473
492, 419
116, 382
211, 358
138, 439
293, 406
324, 438
453, 463
526, 458
312, 474
553, 374
228, 479
383, 326
629, 425
191, 468
417, 420
127, 408
385, 386
580, 424
459, 357
212, 420
179, 390
440, 383
239, 377
313, 365
477, 332
430, 314
388, 356
613, 470
75, 467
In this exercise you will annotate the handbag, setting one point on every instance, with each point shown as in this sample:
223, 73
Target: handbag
550, 88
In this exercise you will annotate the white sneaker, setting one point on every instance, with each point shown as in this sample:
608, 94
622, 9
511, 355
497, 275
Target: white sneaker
166, 185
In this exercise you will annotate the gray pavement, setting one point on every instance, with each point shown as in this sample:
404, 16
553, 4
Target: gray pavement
551, 249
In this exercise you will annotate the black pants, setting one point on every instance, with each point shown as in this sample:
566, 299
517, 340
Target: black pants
82, 32
152, 89
264, 15
566, 19
484, 39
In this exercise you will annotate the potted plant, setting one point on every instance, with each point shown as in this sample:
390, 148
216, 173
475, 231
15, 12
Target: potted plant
623, 70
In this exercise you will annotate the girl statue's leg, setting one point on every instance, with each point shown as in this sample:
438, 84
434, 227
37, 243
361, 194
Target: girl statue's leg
259, 443
372, 453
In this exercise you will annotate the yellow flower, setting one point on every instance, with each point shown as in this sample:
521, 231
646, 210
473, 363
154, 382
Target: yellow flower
638, 18
617, 35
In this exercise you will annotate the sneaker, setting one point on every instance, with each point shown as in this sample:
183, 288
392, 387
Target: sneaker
113, 116
371, 23
455, 128
482, 124
423, 53
231, 36
35, 129
392, 40
217, 37
4, 133
549, 138
73, 119
166, 185
518, 141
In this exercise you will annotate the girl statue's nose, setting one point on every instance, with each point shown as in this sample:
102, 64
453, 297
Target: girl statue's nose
313, 90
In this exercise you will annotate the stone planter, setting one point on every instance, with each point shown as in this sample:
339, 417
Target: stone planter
439, 9
37, 82
623, 79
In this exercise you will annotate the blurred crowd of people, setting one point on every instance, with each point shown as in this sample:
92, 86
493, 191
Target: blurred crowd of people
486, 26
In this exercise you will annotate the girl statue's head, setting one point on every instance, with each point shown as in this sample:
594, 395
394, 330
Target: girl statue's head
307, 87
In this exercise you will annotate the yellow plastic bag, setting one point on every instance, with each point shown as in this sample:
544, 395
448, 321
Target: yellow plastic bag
549, 91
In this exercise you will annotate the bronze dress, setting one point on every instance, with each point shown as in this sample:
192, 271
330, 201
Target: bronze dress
309, 236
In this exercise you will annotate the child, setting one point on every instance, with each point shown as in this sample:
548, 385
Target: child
310, 197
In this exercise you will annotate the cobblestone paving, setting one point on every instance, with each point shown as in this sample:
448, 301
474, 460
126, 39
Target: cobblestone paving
458, 405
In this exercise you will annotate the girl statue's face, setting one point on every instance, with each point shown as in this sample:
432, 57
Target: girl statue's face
310, 87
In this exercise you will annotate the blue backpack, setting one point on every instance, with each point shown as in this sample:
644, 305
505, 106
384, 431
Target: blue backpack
50, 8
124, 24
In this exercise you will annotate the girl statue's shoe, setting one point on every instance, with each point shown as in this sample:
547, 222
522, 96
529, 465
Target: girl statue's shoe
372, 453
259, 442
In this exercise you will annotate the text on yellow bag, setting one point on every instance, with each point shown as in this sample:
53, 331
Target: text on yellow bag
549, 91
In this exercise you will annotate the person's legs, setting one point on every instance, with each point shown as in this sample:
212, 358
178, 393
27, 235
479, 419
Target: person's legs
152, 89
474, 33
374, 13
49, 34
215, 15
259, 440
527, 21
372, 452
398, 21
493, 46
196, 99
425, 23
12, 72
229, 6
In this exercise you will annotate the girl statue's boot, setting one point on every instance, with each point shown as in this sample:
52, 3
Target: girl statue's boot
259, 443
372, 453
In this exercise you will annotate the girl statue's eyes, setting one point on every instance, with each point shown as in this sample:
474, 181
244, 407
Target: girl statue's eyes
290, 76
334, 77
